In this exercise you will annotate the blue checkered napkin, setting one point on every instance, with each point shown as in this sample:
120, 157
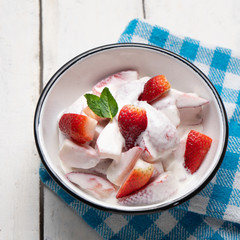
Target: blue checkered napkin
171, 224
221, 197
215, 212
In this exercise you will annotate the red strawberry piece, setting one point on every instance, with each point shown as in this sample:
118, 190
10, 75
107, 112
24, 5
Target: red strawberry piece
154, 88
119, 170
197, 147
155, 191
116, 79
95, 185
132, 121
97, 89
138, 177
79, 127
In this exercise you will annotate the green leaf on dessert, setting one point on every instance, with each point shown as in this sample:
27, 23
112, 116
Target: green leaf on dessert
93, 103
108, 104
104, 106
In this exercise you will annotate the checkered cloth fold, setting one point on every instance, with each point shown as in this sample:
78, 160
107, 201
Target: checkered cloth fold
214, 213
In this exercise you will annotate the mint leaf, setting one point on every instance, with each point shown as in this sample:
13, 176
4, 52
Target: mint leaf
104, 106
108, 103
93, 103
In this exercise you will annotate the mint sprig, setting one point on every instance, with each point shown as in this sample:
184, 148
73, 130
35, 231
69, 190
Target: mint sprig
104, 106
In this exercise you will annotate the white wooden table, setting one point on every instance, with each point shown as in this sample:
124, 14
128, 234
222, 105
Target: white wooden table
36, 38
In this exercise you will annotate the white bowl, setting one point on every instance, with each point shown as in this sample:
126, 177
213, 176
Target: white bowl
82, 72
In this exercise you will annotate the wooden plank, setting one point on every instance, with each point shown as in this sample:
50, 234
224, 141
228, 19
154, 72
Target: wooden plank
60, 222
213, 22
75, 26
19, 90
69, 28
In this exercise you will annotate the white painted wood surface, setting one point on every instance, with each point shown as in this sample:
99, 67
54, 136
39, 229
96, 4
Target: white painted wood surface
69, 28
19, 79
214, 22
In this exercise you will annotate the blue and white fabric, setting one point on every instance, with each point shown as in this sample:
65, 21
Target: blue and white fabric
214, 213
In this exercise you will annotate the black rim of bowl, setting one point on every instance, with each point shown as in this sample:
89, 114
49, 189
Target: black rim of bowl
126, 45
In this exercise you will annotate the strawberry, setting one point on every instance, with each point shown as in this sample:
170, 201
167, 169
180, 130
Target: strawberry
197, 147
116, 79
154, 88
95, 185
158, 190
79, 127
132, 121
119, 170
138, 177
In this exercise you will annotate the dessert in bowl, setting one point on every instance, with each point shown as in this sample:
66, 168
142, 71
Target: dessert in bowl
109, 165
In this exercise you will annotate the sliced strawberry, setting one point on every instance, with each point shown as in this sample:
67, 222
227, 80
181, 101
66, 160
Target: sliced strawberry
154, 88
115, 80
138, 177
197, 147
190, 100
156, 191
132, 121
95, 185
119, 170
78, 127
74, 155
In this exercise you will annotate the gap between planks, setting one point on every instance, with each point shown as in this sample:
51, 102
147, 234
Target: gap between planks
143, 8
41, 186
41, 69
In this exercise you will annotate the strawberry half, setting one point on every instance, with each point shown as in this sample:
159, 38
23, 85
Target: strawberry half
154, 88
138, 177
197, 146
132, 121
79, 127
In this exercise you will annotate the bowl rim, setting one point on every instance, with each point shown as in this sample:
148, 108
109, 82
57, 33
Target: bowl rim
66, 66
